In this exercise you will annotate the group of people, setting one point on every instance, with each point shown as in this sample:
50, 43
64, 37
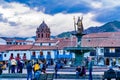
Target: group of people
14, 63
37, 67
81, 70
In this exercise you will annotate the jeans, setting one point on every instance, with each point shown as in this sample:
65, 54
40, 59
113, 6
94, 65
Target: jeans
37, 75
56, 74
13, 68
77, 74
90, 74
29, 75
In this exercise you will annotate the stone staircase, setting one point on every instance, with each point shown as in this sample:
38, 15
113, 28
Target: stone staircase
50, 76
65, 73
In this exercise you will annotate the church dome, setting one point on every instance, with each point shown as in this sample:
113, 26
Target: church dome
43, 31
43, 25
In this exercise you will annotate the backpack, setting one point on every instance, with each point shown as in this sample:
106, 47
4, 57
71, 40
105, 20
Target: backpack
36, 67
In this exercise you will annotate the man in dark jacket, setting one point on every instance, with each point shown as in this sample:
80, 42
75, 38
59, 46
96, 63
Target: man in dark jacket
57, 67
29, 70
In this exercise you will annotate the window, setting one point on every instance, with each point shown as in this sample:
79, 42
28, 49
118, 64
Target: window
49, 44
112, 50
88, 40
4, 55
38, 35
0, 55
42, 35
23, 43
46, 36
117, 50
40, 44
102, 50
20, 43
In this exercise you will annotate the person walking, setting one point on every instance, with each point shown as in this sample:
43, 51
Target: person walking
57, 67
29, 70
90, 67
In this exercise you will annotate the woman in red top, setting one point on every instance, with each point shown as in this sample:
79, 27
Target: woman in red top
11, 57
18, 57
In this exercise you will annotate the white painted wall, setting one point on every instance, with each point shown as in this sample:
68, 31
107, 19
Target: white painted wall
45, 53
45, 44
2, 41
53, 44
28, 54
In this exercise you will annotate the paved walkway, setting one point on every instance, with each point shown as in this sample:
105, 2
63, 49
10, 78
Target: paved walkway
97, 70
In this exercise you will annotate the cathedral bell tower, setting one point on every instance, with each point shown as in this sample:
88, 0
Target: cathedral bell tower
43, 32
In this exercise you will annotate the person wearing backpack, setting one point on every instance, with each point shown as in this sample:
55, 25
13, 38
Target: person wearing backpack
37, 71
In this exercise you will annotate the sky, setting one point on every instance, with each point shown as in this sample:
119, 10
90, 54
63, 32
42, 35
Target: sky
21, 18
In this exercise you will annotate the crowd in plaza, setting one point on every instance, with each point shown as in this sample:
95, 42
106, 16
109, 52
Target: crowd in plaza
38, 65
34, 65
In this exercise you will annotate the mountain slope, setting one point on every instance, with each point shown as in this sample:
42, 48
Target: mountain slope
108, 27
113, 26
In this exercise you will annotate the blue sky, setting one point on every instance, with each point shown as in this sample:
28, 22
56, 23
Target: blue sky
17, 16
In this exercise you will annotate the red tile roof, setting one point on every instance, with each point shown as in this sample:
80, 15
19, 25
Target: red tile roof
62, 42
43, 48
103, 35
107, 39
4, 47
20, 47
68, 42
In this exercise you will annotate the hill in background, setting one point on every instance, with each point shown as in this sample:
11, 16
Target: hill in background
113, 26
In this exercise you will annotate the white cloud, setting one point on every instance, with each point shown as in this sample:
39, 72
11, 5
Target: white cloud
96, 5
102, 4
29, 19
110, 3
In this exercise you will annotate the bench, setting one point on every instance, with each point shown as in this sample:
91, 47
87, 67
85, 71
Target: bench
111, 75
